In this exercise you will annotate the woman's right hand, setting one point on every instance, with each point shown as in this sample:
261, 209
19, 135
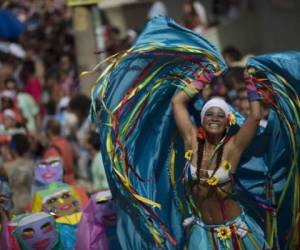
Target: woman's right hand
183, 120
201, 81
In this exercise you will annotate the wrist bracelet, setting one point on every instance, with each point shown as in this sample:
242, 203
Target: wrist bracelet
190, 91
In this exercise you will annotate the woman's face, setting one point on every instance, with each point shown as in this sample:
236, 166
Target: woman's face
214, 121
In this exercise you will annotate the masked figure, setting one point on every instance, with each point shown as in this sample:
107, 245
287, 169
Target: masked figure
58, 199
47, 172
36, 231
61, 201
97, 228
50, 171
67, 228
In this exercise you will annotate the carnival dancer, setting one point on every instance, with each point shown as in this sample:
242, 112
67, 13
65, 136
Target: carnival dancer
143, 152
213, 156
34, 231
63, 202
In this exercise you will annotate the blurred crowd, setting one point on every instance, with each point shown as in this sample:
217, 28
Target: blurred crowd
50, 158
43, 115
231, 85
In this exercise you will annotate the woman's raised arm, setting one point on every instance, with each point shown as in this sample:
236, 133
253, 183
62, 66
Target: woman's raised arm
246, 133
181, 114
183, 120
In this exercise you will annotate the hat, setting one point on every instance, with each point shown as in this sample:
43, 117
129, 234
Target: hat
215, 102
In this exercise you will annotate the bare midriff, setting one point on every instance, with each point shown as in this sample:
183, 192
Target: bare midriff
214, 206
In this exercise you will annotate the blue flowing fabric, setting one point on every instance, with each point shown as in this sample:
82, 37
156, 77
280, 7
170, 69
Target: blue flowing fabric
282, 73
67, 234
142, 151
148, 148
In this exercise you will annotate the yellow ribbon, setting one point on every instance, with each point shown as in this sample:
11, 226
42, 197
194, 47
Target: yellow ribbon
138, 197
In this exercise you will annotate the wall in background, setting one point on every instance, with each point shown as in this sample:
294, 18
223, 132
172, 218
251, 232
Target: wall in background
273, 25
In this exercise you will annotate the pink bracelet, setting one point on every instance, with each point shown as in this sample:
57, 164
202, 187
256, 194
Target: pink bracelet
203, 80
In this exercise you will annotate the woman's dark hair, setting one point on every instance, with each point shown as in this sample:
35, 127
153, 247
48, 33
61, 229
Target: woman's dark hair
19, 144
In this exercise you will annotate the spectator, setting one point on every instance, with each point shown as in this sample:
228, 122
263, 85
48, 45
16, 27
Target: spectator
113, 40
244, 107
9, 119
219, 88
234, 81
26, 105
194, 16
32, 83
67, 119
220, 7
66, 75
60, 147
6, 70
32, 55
79, 105
9, 101
52, 92
234, 78
231, 55
97, 169
243, 99
230, 9
19, 171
